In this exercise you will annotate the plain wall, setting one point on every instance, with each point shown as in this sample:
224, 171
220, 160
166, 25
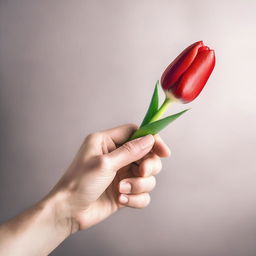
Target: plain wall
68, 68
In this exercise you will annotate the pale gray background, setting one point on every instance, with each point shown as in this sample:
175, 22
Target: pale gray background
68, 68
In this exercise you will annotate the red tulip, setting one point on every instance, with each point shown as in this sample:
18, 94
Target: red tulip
187, 75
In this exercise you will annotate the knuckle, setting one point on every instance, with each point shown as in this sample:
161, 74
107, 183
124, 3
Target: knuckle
103, 162
153, 181
139, 184
92, 136
157, 163
129, 147
146, 200
160, 165
148, 167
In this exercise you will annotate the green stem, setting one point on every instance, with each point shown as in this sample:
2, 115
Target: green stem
157, 115
161, 110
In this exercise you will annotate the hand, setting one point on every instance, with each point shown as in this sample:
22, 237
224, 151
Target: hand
107, 175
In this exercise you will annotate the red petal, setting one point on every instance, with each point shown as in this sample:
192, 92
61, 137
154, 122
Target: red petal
194, 79
203, 48
173, 72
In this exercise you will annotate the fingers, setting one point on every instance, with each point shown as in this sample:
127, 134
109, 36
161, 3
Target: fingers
137, 185
130, 152
150, 165
134, 192
121, 133
160, 148
135, 201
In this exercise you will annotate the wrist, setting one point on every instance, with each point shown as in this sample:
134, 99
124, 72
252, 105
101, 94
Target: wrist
39, 229
56, 206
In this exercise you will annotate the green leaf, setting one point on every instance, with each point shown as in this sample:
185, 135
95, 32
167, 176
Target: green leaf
157, 126
153, 106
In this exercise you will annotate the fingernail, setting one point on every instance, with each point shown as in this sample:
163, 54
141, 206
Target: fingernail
123, 199
125, 187
146, 141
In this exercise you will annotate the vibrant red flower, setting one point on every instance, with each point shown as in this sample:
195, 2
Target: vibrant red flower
187, 75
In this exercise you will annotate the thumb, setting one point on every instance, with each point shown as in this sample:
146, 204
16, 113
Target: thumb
131, 151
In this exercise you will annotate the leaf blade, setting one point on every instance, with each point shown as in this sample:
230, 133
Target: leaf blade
153, 106
157, 126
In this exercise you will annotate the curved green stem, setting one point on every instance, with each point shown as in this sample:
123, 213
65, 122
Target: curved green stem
161, 110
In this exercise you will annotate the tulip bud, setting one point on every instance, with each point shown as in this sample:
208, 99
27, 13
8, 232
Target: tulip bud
187, 75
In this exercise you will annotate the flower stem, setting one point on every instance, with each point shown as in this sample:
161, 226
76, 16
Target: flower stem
156, 117
161, 110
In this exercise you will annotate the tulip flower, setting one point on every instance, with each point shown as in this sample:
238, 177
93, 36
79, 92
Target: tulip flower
182, 81
187, 75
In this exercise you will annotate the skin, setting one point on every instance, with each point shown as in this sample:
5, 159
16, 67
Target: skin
105, 176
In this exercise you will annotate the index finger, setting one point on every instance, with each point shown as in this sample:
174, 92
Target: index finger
160, 148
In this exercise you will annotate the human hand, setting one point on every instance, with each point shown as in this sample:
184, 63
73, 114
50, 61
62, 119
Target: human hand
107, 175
